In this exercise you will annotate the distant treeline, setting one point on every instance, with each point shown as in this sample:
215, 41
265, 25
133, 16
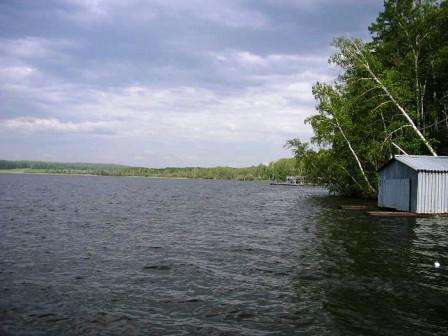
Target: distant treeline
277, 170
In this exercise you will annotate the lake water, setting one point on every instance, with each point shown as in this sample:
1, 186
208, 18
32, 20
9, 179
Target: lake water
84, 255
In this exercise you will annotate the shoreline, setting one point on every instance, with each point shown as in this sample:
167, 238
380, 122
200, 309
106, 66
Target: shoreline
7, 171
268, 182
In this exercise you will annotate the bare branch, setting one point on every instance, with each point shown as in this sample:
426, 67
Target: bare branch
380, 105
399, 148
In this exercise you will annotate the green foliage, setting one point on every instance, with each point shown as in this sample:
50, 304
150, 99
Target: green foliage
62, 168
282, 168
385, 88
277, 170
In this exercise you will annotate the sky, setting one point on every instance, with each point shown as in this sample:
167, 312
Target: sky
160, 83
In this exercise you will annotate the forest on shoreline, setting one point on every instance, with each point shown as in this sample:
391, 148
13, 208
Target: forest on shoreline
274, 171
390, 97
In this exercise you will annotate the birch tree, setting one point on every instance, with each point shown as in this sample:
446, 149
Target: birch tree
390, 96
331, 122
359, 55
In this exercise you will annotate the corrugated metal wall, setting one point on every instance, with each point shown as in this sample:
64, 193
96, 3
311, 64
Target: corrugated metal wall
432, 192
395, 193
397, 170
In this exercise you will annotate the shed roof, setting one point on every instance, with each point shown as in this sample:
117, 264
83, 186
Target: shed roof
422, 162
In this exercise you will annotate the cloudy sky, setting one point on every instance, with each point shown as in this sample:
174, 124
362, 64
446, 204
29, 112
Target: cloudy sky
165, 82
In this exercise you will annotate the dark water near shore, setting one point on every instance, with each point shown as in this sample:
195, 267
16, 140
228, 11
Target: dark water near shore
133, 256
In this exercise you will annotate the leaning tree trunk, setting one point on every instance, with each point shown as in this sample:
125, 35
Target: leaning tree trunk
371, 189
359, 55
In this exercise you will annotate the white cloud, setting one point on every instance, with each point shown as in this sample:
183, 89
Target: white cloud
34, 47
314, 4
16, 72
29, 124
247, 58
269, 108
274, 106
276, 110
279, 59
185, 77
229, 13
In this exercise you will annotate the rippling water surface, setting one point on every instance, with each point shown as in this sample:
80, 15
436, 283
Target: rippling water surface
134, 256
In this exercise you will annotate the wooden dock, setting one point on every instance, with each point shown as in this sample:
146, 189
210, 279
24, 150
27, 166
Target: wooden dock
382, 213
373, 210
391, 214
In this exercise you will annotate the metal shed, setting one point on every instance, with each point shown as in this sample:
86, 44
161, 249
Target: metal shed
415, 183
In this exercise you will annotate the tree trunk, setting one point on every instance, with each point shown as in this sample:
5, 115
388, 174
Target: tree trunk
371, 189
399, 148
359, 55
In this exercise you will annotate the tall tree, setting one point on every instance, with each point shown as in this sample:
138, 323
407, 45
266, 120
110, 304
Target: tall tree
391, 96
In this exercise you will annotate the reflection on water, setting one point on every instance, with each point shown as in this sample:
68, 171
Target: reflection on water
366, 276
106, 255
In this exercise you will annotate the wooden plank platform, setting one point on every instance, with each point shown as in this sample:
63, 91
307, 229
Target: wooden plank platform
403, 214
372, 209
391, 214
